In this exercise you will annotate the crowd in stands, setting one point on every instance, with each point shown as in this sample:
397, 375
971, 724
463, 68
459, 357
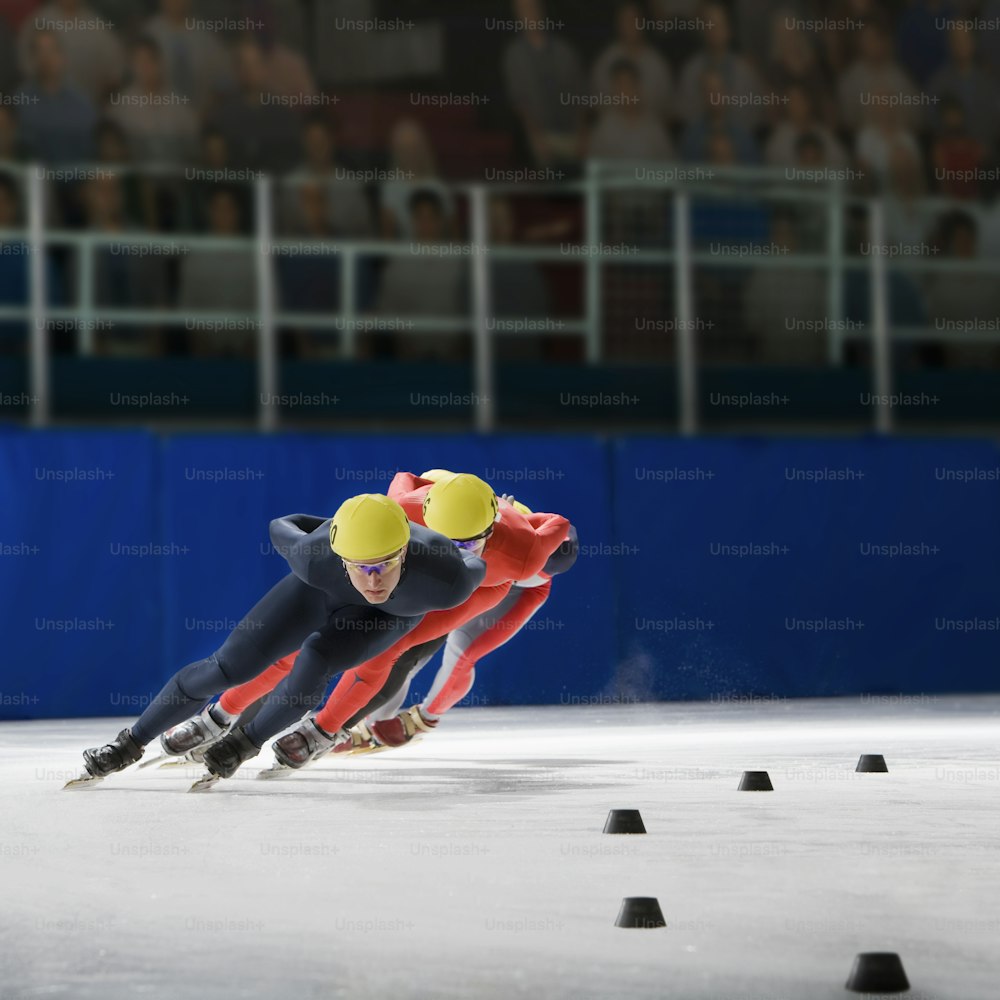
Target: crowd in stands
152, 118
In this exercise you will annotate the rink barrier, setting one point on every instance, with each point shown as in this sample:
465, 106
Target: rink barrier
737, 571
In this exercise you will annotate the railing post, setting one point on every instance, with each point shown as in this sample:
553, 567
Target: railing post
38, 294
687, 375
348, 300
835, 285
482, 307
881, 346
85, 295
267, 346
594, 290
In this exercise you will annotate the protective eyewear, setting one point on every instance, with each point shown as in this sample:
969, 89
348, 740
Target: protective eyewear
471, 543
378, 568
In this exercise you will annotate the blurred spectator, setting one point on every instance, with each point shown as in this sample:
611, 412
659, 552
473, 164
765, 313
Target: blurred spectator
785, 306
13, 269
160, 126
95, 60
57, 120
792, 62
875, 75
423, 283
964, 299
197, 64
310, 282
797, 120
956, 155
285, 71
961, 79
678, 30
518, 286
757, 23
10, 141
214, 150
113, 150
812, 217
14, 12
545, 83
920, 41
629, 130
347, 203
216, 280
655, 84
906, 304
110, 142
717, 136
989, 41
214, 167
122, 278
261, 134
905, 221
8, 60
885, 132
840, 38
738, 81
413, 167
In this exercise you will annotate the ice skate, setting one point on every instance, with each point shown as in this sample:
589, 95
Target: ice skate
102, 761
300, 747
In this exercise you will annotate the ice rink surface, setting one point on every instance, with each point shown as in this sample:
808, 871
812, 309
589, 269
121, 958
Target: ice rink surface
473, 864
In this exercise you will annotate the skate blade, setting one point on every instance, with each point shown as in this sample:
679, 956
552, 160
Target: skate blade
84, 781
204, 783
275, 771
176, 762
365, 750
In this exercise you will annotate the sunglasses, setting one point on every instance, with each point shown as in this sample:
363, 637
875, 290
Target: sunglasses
379, 568
471, 543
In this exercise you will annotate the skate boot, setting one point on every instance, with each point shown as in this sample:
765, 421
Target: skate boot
114, 756
410, 724
359, 740
206, 727
304, 744
224, 757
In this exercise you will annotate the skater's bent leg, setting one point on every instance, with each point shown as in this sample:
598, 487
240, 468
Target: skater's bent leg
387, 703
237, 699
274, 627
454, 659
474, 640
351, 637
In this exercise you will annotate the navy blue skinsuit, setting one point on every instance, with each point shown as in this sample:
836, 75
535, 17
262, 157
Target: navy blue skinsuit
316, 608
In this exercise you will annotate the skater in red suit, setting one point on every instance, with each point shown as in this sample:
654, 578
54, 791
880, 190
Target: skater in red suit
464, 647
514, 546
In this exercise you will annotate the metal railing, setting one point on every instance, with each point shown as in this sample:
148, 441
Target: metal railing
600, 180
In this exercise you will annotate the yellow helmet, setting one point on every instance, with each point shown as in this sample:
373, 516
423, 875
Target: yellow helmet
520, 507
460, 507
368, 527
436, 475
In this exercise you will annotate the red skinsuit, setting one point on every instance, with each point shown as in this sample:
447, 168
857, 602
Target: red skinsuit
518, 549
461, 679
